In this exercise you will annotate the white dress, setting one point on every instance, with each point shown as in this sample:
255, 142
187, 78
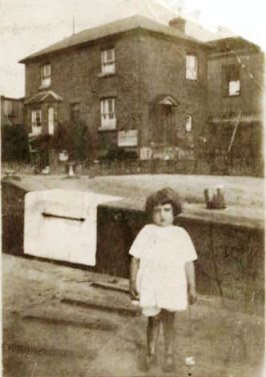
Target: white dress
161, 278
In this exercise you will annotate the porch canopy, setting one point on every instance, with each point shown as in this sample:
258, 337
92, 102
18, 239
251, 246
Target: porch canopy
168, 101
46, 96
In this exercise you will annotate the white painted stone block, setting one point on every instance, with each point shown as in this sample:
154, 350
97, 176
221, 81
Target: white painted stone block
62, 225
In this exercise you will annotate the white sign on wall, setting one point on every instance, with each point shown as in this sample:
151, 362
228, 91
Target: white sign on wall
128, 138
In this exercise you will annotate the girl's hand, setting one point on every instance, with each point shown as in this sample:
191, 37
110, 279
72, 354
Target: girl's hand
134, 295
192, 295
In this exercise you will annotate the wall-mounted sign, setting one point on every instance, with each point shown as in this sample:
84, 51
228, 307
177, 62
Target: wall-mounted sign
128, 138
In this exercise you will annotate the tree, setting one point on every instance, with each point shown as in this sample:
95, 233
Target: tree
75, 138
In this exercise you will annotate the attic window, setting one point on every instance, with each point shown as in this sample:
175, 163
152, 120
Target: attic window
231, 80
191, 67
45, 75
108, 61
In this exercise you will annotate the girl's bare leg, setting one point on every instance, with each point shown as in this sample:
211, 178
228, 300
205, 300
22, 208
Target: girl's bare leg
168, 320
153, 333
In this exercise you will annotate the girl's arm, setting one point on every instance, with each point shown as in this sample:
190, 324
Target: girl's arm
190, 274
134, 266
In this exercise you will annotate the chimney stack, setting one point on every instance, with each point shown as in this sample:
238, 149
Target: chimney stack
178, 23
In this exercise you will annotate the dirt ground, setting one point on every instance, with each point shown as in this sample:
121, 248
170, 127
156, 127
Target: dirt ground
59, 321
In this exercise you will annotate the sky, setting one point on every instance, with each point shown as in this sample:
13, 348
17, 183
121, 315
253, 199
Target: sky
27, 26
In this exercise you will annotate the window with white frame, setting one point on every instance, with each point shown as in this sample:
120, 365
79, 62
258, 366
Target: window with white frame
108, 61
188, 123
191, 67
108, 119
36, 122
45, 75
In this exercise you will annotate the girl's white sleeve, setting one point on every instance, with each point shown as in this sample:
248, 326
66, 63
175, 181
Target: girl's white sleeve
188, 247
139, 243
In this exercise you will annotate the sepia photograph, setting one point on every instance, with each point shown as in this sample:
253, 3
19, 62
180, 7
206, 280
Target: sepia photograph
132, 185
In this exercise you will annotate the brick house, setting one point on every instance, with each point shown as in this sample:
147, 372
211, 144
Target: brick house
140, 87
236, 70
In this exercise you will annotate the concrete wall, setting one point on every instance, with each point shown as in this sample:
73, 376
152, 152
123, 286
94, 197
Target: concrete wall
12, 218
230, 258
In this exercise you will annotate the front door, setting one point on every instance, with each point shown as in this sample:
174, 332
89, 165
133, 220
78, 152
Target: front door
50, 120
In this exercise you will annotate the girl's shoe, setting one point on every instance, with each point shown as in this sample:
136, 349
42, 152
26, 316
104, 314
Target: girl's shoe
150, 361
169, 364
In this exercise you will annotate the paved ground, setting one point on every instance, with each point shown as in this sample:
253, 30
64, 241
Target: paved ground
58, 321
239, 191
244, 195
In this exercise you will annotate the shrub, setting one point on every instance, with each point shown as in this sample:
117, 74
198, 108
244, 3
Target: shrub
121, 154
15, 145
75, 138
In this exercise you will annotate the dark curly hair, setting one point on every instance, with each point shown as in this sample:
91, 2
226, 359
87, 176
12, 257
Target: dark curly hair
165, 196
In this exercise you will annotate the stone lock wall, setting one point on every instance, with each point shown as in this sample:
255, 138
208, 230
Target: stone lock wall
230, 258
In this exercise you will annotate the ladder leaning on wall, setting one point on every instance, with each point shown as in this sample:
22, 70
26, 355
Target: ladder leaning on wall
234, 132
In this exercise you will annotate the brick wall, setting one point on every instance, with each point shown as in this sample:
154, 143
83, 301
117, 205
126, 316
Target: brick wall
250, 98
163, 73
76, 77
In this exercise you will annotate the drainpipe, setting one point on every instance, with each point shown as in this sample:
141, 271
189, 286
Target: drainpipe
139, 112
234, 132
1, 99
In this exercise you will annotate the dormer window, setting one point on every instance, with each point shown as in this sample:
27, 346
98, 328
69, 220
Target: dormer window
45, 75
108, 61
191, 67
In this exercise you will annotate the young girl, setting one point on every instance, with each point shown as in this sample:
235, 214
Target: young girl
162, 272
